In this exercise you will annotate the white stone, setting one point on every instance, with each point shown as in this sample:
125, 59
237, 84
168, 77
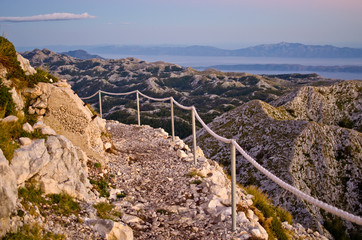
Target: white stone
10, 118
107, 145
111, 230
28, 128
181, 154
48, 131
39, 124
25, 141
25, 65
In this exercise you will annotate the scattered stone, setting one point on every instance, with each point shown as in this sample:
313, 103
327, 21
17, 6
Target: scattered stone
10, 118
24, 141
28, 128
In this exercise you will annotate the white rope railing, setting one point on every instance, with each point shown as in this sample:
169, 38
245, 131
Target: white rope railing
341, 213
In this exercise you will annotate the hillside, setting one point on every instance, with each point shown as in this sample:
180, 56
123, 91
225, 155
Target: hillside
311, 140
67, 174
212, 92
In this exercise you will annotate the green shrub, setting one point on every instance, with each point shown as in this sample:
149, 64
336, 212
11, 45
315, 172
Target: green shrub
97, 165
32, 232
270, 217
63, 204
101, 185
31, 193
105, 210
10, 132
7, 105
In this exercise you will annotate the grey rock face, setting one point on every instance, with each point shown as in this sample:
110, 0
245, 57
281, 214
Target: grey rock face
301, 143
29, 160
64, 170
56, 165
8, 193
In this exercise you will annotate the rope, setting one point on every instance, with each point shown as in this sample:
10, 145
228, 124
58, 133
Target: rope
343, 214
155, 99
218, 137
297, 192
85, 98
119, 94
180, 105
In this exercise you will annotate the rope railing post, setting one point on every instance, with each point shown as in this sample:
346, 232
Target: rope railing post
172, 121
100, 103
233, 185
194, 133
138, 109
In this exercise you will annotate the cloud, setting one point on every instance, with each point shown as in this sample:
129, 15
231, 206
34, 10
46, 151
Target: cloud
47, 17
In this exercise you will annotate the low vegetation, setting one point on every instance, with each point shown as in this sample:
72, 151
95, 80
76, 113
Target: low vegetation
101, 185
8, 59
60, 204
10, 132
270, 217
106, 210
33, 232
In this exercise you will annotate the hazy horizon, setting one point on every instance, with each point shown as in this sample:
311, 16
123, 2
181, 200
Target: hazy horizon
229, 24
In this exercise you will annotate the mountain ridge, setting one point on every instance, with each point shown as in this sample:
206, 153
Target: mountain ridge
283, 49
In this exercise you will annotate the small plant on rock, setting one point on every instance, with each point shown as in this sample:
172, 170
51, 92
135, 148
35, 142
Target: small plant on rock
63, 204
105, 210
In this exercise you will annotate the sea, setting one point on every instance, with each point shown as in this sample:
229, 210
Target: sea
202, 62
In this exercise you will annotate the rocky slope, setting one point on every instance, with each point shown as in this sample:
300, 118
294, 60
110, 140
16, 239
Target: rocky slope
304, 142
211, 91
139, 184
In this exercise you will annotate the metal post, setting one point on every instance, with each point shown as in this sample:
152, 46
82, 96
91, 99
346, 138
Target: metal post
233, 187
138, 109
172, 121
100, 102
194, 133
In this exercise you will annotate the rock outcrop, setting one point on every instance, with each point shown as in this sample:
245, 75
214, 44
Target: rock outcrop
64, 112
8, 194
301, 143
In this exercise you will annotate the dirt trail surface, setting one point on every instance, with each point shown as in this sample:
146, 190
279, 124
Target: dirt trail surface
163, 200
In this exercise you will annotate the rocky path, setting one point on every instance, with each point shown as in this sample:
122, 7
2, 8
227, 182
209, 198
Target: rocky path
166, 197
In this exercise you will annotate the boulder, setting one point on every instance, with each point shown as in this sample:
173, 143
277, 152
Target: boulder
25, 65
25, 141
28, 160
8, 194
10, 118
111, 230
28, 128
64, 171
68, 116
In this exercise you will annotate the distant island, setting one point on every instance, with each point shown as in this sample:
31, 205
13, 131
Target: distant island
81, 54
283, 49
284, 67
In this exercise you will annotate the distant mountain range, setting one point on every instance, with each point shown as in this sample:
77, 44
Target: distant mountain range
283, 49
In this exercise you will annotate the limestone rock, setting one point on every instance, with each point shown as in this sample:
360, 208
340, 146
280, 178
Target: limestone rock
25, 141
111, 230
8, 194
19, 102
29, 160
10, 118
64, 171
67, 115
28, 128
25, 65
48, 131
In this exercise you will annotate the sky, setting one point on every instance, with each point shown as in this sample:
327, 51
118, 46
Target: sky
228, 24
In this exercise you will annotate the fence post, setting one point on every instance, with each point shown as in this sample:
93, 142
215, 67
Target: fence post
194, 133
233, 187
138, 109
172, 121
100, 102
